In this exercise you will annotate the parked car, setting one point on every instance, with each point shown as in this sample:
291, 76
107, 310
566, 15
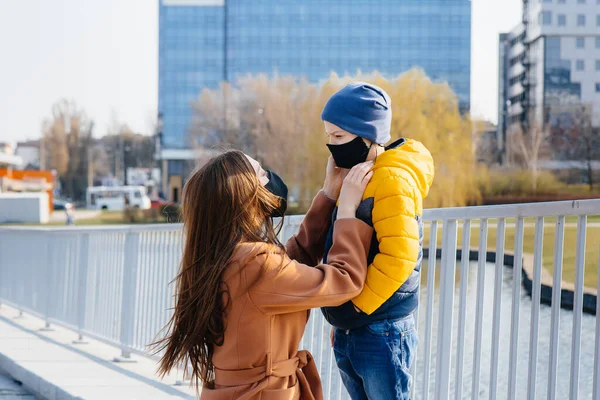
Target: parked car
158, 203
60, 204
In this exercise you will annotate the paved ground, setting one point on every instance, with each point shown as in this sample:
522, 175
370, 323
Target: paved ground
50, 366
10, 390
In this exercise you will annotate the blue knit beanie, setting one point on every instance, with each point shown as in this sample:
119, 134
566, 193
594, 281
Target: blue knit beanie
362, 109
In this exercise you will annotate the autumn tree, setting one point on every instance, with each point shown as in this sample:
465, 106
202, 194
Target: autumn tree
277, 120
428, 111
67, 136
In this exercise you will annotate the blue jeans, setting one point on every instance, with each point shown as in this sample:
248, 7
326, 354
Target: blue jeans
375, 360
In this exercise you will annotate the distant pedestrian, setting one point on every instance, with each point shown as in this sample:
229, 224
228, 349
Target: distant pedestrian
70, 211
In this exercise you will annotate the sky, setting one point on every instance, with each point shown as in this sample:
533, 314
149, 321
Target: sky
104, 55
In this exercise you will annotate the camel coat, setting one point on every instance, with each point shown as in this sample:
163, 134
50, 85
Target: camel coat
271, 295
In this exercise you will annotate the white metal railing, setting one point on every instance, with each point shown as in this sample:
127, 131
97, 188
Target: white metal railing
112, 284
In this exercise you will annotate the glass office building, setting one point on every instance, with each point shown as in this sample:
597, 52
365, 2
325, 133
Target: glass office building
205, 42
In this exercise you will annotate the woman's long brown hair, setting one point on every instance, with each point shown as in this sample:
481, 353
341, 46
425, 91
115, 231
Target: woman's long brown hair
224, 204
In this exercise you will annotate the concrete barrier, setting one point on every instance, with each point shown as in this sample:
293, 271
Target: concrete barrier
24, 208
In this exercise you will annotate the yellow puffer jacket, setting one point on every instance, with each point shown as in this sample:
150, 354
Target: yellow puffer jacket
401, 180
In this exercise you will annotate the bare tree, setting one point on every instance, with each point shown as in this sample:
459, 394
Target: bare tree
67, 136
274, 120
530, 146
574, 138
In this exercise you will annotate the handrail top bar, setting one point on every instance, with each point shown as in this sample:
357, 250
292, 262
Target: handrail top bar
95, 229
528, 210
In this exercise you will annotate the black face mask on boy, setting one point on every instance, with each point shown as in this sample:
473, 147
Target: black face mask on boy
279, 189
349, 154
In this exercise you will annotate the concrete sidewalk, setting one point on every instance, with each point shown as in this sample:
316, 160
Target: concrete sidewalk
51, 367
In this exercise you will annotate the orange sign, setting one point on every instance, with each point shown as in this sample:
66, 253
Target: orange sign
25, 175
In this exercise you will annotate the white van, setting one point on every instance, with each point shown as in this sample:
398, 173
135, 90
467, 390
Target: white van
114, 197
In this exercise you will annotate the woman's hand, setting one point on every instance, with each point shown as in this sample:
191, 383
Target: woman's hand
333, 180
353, 189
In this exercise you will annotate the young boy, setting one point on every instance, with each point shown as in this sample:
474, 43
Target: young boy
374, 334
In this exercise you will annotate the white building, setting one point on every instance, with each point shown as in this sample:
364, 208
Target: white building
29, 153
550, 59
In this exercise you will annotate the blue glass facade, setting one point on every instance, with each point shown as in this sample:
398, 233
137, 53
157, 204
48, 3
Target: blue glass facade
558, 84
201, 46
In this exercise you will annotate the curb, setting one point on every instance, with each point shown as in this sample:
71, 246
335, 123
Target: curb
567, 296
39, 387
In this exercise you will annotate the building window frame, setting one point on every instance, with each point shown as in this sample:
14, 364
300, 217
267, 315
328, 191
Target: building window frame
561, 20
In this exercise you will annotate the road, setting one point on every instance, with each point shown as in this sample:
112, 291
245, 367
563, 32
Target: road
10, 390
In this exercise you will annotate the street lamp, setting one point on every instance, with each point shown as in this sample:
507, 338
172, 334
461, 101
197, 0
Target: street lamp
126, 150
158, 142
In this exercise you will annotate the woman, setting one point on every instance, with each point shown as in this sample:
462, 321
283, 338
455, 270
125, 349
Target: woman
242, 303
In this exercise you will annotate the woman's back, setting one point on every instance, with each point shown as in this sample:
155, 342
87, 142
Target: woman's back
270, 295
242, 300
253, 336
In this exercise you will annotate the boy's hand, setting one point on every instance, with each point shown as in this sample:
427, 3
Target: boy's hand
334, 178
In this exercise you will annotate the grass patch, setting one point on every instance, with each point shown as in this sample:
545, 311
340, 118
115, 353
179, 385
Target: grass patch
105, 218
570, 246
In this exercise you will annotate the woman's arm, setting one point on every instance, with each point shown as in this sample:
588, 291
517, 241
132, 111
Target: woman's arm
308, 245
281, 285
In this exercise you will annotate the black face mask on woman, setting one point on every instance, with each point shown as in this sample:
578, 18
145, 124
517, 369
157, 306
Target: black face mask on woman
279, 189
349, 154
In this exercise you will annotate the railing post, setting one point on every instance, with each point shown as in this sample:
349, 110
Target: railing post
462, 312
49, 278
3, 266
596, 394
429, 312
535, 307
498, 275
578, 307
84, 244
482, 259
130, 268
447, 276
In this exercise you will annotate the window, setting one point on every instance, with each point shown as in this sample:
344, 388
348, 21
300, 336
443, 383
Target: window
580, 65
562, 20
597, 65
580, 42
546, 18
598, 42
597, 19
580, 1
563, 1
597, 87
581, 20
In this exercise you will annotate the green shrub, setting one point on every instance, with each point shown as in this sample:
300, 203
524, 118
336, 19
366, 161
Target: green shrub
518, 182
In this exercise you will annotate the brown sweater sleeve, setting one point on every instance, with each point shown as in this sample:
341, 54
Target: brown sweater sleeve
283, 285
308, 245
